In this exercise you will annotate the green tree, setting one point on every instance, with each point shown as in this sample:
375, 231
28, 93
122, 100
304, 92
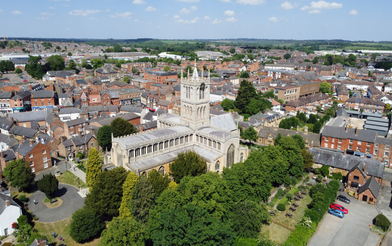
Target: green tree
247, 218
312, 119
19, 174
382, 221
123, 231
9, 66
325, 87
117, 48
387, 107
69, 53
317, 127
300, 141
85, 225
251, 134
166, 69
257, 105
324, 170
187, 164
315, 60
97, 63
48, 184
134, 70
121, 127
327, 63
159, 183
232, 50
72, 65
94, 167
191, 225
18, 71
142, 200
126, 79
55, 63
246, 93
374, 56
308, 159
287, 56
227, 104
106, 195
34, 68
244, 75
104, 137
302, 117
292, 153
125, 209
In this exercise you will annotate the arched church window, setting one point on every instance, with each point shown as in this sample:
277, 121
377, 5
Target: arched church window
230, 156
161, 171
217, 166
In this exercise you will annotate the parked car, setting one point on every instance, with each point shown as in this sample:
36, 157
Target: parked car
343, 199
339, 207
337, 213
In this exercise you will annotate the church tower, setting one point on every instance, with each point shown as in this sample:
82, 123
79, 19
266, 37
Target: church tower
195, 100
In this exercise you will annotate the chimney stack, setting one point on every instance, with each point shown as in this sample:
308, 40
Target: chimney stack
2, 154
346, 129
7, 203
140, 128
12, 119
31, 142
345, 152
356, 131
22, 140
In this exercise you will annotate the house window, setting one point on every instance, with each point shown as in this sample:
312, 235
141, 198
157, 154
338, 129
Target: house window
386, 153
368, 144
327, 138
31, 163
351, 141
81, 146
358, 148
92, 144
69, 148
387, 146
44, 152
350, 147
326, 145
33, 169
376, 145
45, 159
370, 199
332, 146
375, 152
46, 165
340, 141
359, 142
367, 150
339, 146
356, 178
31, 156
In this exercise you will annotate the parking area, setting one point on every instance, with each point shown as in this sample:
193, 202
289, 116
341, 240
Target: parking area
353, 229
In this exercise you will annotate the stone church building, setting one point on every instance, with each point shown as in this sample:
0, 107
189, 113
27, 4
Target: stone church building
215, 139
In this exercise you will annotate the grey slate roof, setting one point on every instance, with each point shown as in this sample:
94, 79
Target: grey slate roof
25, 148
127, 117
311, 137
5, 124
76, 122
5, 95
133, 109
23, 131
346, 162
3, 198
349, 133
224, 122
43, 94
9, 155
69, 111
29, 116
385, 141
372, 185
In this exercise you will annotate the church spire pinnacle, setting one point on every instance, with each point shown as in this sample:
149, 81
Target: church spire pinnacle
195, 75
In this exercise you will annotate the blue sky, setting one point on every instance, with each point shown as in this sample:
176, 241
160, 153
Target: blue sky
197, 19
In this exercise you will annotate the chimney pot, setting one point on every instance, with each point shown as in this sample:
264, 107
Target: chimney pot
7, 203
31, 142
12, 119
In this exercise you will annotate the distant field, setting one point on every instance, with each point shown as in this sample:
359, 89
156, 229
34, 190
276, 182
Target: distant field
177, 41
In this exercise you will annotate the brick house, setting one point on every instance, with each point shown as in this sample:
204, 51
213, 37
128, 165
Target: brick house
301, 103
132, 118
369, 191
160, 77
365, 104
42, 100
110, 97
94, 98
71, 147
21, 102
35, 153
75, 127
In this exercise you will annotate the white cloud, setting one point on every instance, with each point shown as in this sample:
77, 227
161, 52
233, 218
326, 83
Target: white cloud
83, 12
42, 18
136, 20
126, 15
207, 17
231, 19
16, 12
47, 14
186, 11
273, 19
193, 21
229, 12
225, 1
149, 8
287, 5
1, 10
251, 2
138, 2
189, 1
51, 7
176, 17
314, 11
216, 21
316, 7
353, 12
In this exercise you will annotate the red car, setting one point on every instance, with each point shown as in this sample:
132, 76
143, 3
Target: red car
339, 207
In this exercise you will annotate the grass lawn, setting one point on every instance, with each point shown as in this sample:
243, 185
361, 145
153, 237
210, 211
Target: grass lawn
61, 229
297, 215
69, 178
275, 232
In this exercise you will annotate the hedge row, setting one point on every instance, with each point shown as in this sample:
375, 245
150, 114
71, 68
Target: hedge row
284, 199
322, 196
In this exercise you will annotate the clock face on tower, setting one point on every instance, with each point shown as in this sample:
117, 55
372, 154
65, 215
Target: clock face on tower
202, 86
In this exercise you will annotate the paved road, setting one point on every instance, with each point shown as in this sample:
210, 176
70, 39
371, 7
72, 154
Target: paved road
72, 201
61, 166
79, 173
384, 201
353, 229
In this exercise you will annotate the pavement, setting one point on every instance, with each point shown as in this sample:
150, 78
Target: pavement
79, 173
72, 201
61, 167
353, 229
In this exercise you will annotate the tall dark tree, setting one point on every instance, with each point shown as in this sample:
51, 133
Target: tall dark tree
158, 181
292, 153
317, 127
302, 117
191, 225
250, 133
86, 224
72, 65
300, 141
48, 184
34, 68
123, 231
143, 200
104, 137
244, 75
55, 63
106, 195
19, 174
308, 159
187, 164
121, 127
246, 93
227, 104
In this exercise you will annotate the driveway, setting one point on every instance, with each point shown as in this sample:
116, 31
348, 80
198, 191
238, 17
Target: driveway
353, 229
72, 201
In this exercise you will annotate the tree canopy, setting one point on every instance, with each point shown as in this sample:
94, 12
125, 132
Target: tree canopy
48, 184
55, 63
86, 224
246, 93
142, 200
129, 184
19, 174
121, 127
159, 183
250, 133
187, 163
123, 231
104, 137
94, 167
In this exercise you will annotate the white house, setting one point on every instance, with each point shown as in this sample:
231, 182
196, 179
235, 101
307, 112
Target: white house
385, 99
166, 55
275, 106
67, 114
9, 213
